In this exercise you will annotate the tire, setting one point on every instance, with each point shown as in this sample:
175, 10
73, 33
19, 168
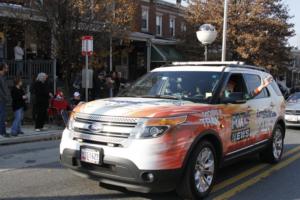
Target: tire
203, 158
274, 151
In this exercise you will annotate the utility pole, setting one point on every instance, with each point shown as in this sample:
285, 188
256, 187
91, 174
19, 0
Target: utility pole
224, 30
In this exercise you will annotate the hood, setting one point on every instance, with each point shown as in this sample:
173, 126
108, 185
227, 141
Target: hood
293, 106
138, 107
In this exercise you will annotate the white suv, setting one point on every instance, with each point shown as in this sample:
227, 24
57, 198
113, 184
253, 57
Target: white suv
175, 127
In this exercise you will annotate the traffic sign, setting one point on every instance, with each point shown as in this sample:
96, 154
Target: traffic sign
87, 45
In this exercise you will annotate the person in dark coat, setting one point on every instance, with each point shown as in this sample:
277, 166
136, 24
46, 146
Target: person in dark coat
42, 92
18, 106
100, 85
117, 83
4, 98
33, 98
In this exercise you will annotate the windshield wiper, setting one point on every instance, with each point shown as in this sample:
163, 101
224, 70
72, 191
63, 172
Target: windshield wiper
160, 96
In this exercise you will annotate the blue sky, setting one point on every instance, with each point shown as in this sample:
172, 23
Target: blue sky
293, 6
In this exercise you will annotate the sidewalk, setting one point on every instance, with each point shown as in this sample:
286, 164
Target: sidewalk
30, 135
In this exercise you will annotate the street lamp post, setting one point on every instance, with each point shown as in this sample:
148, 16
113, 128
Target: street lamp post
206, 35
205, 52
224, 30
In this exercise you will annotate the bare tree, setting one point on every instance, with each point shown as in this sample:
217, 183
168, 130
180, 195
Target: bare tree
71, 19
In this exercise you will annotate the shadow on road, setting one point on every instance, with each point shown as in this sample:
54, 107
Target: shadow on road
165, 196
293, 128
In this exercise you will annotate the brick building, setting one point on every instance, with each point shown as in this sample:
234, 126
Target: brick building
151, 42
153, 38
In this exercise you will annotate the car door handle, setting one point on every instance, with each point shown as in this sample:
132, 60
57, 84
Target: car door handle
272, 105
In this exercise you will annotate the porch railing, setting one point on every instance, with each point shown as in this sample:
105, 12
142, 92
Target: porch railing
30, 68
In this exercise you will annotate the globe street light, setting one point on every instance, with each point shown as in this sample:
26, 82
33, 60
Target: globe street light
206, 35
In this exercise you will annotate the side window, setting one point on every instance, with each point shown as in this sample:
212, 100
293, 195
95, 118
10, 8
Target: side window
252, 82
234, 88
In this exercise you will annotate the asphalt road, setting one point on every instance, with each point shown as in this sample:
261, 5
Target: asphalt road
31, 171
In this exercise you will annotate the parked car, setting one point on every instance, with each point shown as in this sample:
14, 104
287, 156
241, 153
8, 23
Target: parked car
292, 112
175, 127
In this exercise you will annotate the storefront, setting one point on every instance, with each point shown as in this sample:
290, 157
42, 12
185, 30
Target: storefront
147, 53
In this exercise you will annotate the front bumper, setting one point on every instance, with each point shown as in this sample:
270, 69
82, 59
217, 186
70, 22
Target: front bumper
292, 124
122, 172
292, 120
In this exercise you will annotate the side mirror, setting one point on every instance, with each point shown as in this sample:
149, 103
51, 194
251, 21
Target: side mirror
234, 98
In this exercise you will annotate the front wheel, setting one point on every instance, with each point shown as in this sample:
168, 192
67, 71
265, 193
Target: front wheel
274, 151
200, 172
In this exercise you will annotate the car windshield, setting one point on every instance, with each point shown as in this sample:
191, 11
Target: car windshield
294, 98
186, 85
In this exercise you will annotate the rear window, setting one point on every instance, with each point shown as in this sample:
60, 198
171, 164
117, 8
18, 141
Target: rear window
276, 88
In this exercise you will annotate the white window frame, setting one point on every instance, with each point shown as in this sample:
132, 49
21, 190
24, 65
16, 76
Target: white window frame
160, 16
172, 24
145, 9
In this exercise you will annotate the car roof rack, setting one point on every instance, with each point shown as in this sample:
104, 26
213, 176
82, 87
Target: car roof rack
250, 67
218, 63
237, 64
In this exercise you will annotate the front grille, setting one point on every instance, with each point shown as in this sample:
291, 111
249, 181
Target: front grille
106, 118
292, 112
113, 130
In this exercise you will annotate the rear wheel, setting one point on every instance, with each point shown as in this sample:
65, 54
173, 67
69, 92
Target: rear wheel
200, 172
274, 151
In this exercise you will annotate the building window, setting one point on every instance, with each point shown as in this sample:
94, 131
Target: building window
183, 27
172, 26
159, 24
145, 18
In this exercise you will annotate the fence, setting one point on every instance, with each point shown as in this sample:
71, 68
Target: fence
30, 68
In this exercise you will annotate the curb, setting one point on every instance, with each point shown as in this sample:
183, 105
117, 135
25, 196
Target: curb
53, 135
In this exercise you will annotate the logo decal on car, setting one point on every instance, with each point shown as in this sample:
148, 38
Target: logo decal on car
95, 128
240, 126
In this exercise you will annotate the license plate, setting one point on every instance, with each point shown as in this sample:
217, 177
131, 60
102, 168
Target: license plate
291, 118
89, 155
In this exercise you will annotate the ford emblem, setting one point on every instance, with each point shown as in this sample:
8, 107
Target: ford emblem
95, 128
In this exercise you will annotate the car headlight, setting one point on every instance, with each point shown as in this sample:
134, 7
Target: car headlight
71, 121
151, 128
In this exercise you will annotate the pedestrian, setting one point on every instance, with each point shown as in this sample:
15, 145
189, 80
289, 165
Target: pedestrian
99, 84
4, 94
19, 53
117, 83
18, 106
75, 100
33, 97
42, 93
110, 85
1, 50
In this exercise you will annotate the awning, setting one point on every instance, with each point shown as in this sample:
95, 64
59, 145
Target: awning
20, 12
164, 53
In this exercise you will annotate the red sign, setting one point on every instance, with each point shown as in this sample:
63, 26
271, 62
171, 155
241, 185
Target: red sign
87, 45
